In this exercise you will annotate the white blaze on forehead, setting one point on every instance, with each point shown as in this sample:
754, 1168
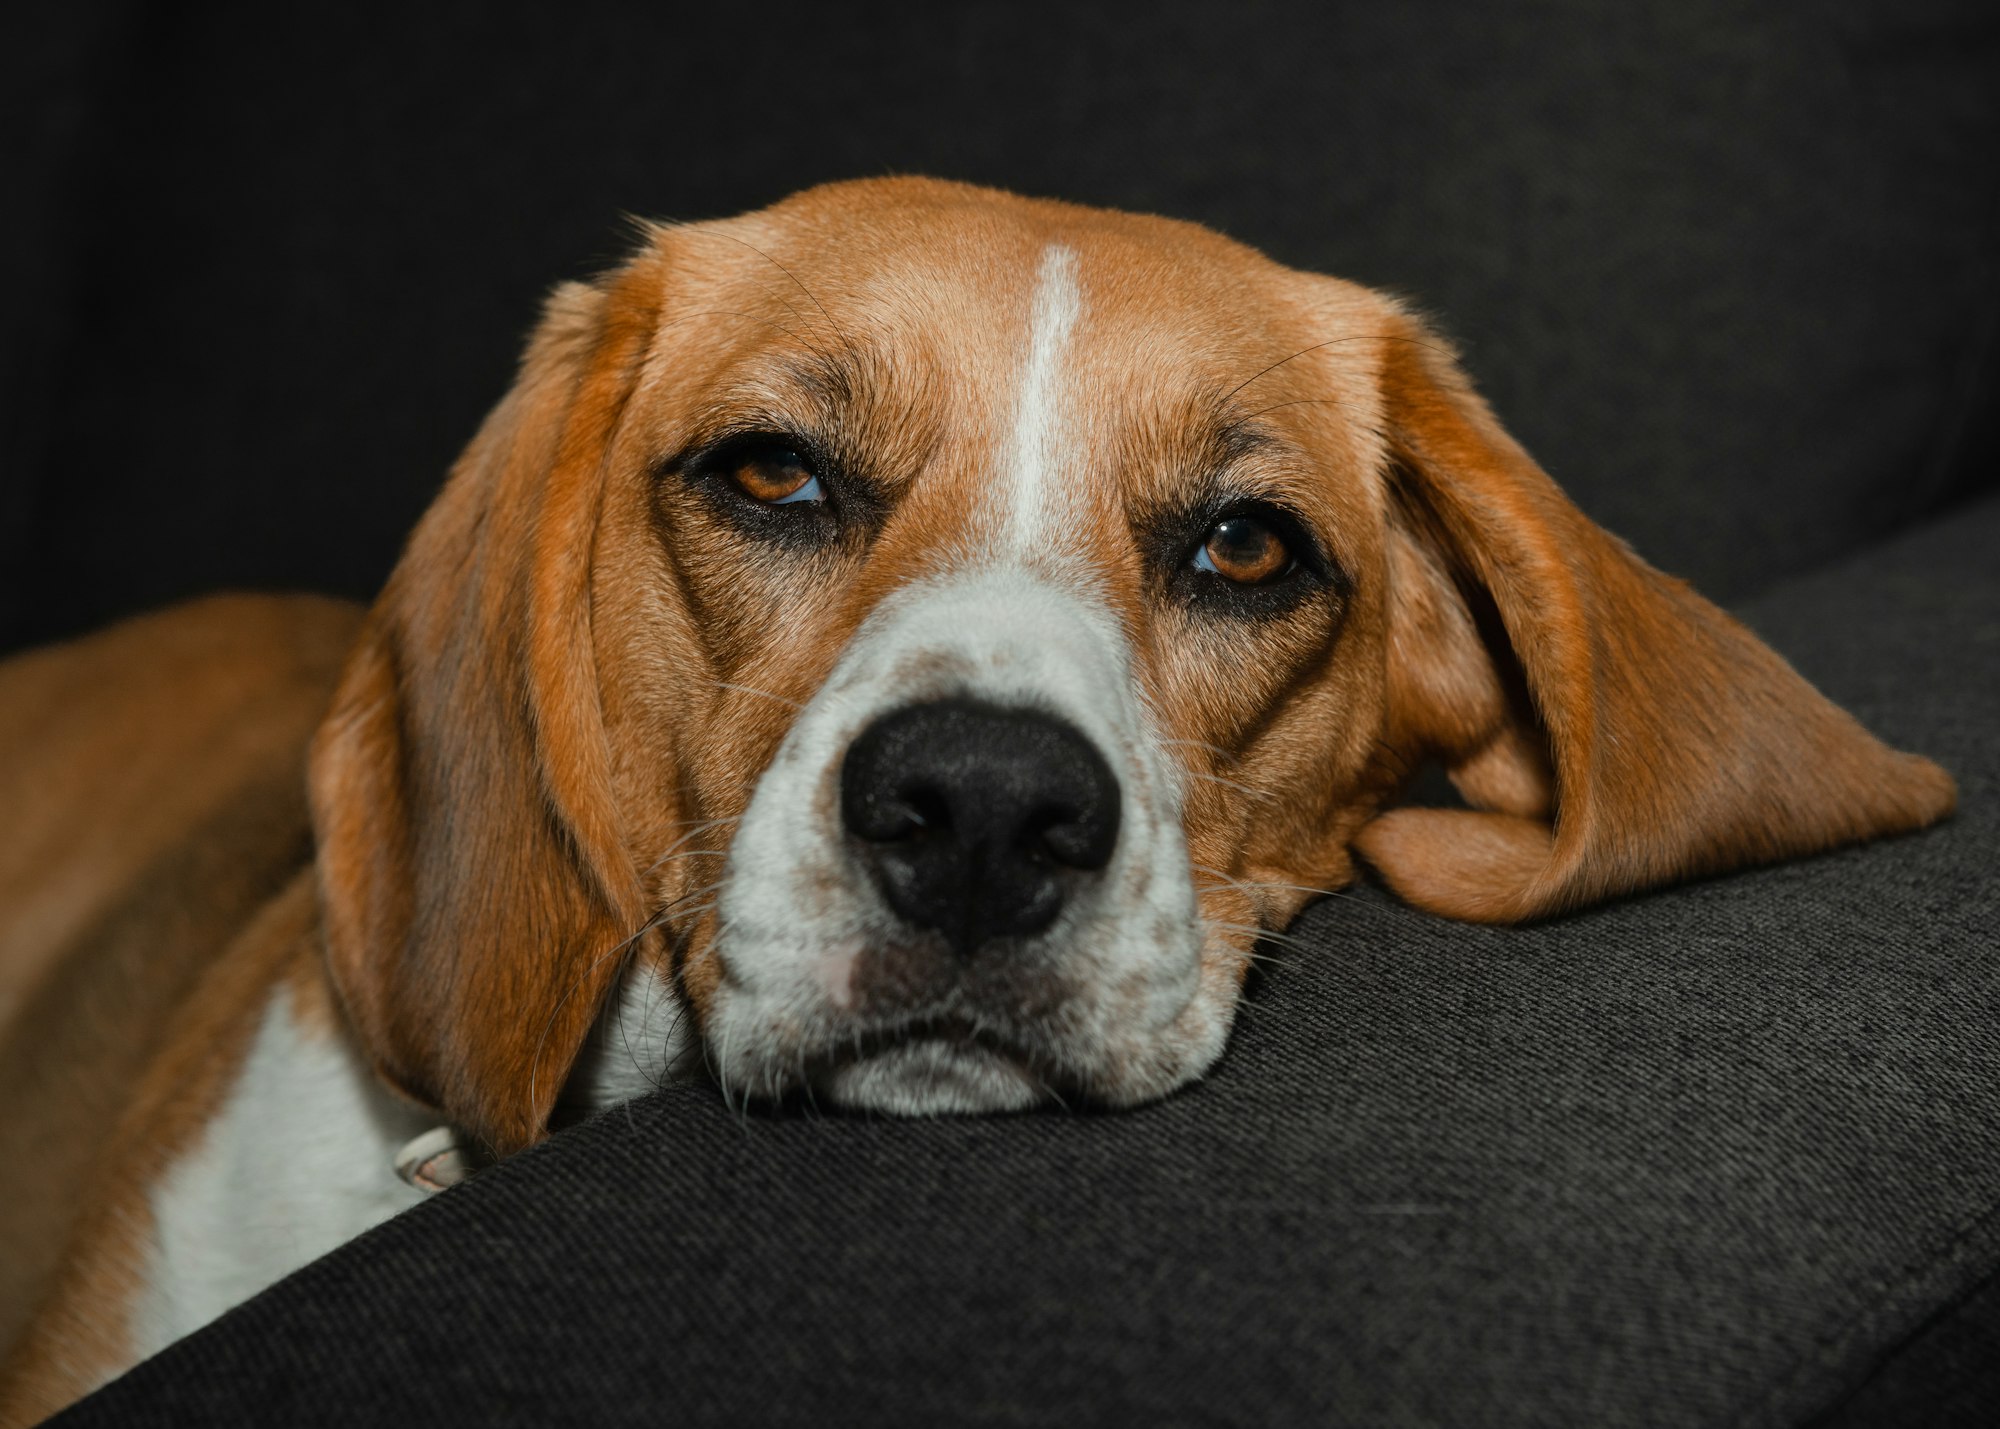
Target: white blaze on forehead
1032, 475
797, 916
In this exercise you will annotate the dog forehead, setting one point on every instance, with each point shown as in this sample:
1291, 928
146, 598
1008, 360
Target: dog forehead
1022, 368
947, 273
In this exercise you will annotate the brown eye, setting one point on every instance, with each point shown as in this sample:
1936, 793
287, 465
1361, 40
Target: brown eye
1245, 550
775, 476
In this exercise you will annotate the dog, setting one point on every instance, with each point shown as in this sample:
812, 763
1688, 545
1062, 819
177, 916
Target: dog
904, 645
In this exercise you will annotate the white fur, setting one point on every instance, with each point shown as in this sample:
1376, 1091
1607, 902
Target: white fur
1036, 449
644, 1038
795, 902
299, 1157
297, 1160
1021, 626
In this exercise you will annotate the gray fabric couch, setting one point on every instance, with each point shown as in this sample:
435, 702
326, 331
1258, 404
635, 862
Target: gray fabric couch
1727, 1154
1724, 1155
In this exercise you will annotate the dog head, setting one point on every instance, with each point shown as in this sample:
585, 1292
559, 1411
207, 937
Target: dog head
929, 633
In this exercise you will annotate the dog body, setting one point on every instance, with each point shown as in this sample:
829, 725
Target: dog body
902, 645
187, 1120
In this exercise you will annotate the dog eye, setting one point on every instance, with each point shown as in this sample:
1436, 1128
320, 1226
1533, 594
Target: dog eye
1245, 550
775, 476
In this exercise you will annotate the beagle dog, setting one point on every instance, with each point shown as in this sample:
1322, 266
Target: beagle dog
904, 645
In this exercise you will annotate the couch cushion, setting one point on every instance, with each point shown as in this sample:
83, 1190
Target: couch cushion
1699, 1157
1727, 270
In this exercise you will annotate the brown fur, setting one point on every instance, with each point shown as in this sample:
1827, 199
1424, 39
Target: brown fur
79, 1329
579, 665
1655, 738
577, 661
155, 779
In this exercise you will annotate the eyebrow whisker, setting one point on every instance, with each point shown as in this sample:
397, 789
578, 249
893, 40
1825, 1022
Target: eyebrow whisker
1335, 342
747, 317
1306, 402
847, 342
1280, 363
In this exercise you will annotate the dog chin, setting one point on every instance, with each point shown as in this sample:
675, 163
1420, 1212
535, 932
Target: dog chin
934, 1076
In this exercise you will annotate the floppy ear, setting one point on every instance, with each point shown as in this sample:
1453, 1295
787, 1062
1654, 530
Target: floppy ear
475, 885
1611, 729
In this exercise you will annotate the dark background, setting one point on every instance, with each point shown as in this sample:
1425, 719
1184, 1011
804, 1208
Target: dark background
1727, 270
1727, 266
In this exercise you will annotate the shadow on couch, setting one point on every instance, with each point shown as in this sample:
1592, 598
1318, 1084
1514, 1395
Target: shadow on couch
1725, 1154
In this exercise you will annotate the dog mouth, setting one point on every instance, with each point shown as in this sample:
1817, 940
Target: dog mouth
933, 1065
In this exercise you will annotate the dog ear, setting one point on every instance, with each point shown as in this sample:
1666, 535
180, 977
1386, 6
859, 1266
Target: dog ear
1611, 729
476, 889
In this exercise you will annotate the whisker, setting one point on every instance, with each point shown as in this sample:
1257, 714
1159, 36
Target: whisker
1280, 363
734, 313
1263, 935
685, 907
625, 1035
753, 690
1229, 784
1335, 342
1398, 911
682, 1012
1217, 750
692, 831
1403, 761
1263, 883
655, 1077
693, 914
1307, 402
692, 230
622, 949
793, 308
853, 352
1394, 910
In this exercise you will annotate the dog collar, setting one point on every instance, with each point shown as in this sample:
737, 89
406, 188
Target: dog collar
436, 1160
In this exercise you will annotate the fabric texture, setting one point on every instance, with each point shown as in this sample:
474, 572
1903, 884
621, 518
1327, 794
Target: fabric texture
1721, 1155
1697, 1158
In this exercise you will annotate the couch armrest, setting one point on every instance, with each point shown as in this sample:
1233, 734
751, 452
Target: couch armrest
1698, 1157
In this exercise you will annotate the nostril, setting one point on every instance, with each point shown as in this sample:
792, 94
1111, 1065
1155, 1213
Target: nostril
1074, 841
929, 812
898, 815
1063, 833
975, 821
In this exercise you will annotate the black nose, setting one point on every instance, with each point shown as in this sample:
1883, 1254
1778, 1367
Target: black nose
978, 821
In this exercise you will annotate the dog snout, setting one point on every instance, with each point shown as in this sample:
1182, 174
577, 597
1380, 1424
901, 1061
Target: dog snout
978, 822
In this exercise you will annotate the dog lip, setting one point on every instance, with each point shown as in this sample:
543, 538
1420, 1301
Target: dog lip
952, 1029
